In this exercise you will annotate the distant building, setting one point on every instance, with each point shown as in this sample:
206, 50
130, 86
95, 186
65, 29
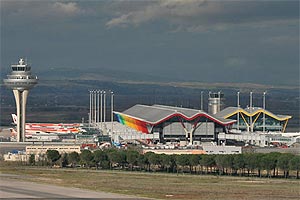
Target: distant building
16, 157
40, 149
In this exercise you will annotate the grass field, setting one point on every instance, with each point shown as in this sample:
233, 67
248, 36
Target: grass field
162, 186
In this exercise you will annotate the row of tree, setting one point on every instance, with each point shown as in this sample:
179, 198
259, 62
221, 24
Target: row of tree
252, 164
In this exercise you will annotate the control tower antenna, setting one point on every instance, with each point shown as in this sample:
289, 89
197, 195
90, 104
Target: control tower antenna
20, 81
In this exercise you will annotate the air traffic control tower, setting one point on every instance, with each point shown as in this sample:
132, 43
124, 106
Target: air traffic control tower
20, 81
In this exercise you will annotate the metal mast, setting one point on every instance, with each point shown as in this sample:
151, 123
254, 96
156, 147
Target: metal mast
112, 112
90, 113
98, 108
104, 108
264, 115
201, 101
101, 110
251, 125
238, 113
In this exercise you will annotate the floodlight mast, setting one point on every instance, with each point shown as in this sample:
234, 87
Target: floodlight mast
251, 108
238, 113
104, 108
90, 113
20, 81
98, 91
264, 115
101, 110
201, 101
112, 112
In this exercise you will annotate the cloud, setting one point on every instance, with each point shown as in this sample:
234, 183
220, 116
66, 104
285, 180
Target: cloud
282, 40
35, 9
197, 15
69, 8
235, 62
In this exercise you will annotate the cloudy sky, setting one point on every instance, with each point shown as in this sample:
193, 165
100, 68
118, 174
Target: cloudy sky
197, 40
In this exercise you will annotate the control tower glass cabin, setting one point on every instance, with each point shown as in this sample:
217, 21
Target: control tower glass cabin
20, 81
215, 102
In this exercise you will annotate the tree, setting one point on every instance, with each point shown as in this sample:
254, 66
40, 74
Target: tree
220, 161
153, 158
228, 163
182, 160
32, 159
101, 159
275, 156
269, 162
117, 157
283, 163
167, 162
207, 161
131, 158
64, 160
194, 160
251, 162
294, 164
86, 158
53, 156
238, 162
73, 158
142, 161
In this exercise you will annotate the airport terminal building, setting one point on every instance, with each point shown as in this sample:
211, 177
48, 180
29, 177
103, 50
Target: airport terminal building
254, 119
174, 123
177, 124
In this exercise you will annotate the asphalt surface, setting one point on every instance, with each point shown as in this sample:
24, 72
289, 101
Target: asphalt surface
13, 188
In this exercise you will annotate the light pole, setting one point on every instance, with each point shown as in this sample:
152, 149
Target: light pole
92, 105
238, 113
104, 108
112, 110
251, 125
264, 115
201, 101
101, 110
90, 113
95, 106
98, 108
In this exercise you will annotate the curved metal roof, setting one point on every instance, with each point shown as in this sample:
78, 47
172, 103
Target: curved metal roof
229, 111
158, 113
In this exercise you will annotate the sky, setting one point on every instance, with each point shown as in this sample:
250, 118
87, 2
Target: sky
187, 40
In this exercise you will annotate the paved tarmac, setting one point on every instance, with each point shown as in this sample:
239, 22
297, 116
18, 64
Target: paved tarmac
12, 187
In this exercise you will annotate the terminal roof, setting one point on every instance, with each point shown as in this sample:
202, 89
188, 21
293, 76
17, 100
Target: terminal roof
229, 111
157, 113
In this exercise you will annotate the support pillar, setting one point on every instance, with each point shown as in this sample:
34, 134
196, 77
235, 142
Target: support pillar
21, 99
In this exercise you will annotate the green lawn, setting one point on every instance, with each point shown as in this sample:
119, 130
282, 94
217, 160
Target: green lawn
162, 186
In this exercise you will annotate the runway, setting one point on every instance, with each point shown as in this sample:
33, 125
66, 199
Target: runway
12, 187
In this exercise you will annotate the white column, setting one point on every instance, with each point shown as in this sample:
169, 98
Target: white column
18, 106
24, 101
264, 115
